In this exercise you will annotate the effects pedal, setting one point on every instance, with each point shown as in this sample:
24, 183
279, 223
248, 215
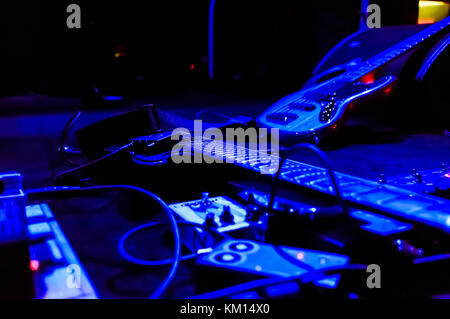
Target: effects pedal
220, 212
261, 259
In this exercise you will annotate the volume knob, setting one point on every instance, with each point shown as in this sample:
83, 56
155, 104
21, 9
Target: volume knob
209, 220
226, 217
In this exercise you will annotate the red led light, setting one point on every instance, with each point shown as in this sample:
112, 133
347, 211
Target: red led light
334, 126
388, 90
192, 66
369, 78
34, 265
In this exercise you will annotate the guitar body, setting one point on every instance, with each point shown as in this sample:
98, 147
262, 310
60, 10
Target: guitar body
306, 115
352, 74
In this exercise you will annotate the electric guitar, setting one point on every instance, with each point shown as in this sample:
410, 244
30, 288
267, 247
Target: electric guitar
320, 109
373, 195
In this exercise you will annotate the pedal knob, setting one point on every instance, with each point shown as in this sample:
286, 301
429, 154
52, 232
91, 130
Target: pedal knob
205, 196
205, 202
209, 220
226, 217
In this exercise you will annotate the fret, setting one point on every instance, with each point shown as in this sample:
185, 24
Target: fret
250, 156
241, 154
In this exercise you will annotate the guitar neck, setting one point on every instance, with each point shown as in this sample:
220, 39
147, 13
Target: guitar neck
428, 210
395, 51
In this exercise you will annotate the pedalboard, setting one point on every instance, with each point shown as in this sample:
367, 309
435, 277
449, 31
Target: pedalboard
57, 271
36, 259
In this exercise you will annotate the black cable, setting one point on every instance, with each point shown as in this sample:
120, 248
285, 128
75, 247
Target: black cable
151, 263
64, 134
121, 149
177, 255
324, 159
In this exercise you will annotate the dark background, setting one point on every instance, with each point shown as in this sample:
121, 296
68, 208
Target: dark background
267, 46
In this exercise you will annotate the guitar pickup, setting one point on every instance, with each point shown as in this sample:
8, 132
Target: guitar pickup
282, 118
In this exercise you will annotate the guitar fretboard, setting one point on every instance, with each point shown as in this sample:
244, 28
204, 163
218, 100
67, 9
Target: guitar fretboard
429, 210
395, 51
